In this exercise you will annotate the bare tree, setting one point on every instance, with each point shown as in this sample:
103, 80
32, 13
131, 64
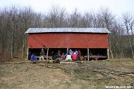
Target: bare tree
74, 19
105, 19
14, 23
56, 17
129, 24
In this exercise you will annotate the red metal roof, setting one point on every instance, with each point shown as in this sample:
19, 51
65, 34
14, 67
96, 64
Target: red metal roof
68, 40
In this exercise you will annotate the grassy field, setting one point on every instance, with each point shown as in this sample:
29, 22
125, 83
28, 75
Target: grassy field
76, 75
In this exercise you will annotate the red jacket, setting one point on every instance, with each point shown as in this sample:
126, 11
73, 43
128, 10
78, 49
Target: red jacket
62, 56
74, 56
79, 53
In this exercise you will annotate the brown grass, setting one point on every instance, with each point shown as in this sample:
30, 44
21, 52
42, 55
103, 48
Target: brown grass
86, 75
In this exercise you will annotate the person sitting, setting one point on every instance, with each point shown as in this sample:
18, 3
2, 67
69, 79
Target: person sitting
58, 54
79, 55
42, 54
70, 52
33, 58
63, 56
74, 56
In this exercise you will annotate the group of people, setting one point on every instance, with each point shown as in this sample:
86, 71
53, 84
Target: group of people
75, 55
34, 59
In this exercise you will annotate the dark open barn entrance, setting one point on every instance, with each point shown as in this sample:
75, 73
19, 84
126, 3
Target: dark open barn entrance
98, 52
53, 51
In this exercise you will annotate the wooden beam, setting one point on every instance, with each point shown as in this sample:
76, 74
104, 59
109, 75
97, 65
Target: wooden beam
27, 53
47, 52
108, 53
67, 51
88, 54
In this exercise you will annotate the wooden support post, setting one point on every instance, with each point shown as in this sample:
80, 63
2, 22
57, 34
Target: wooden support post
47, 52
27, 53
67, 50
108, 53
88, 54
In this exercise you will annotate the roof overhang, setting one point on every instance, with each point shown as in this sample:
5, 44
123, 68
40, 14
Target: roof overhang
67, 30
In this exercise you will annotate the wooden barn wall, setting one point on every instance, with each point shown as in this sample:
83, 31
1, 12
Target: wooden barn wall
68, 40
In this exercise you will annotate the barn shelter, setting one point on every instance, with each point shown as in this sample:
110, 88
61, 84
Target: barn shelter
92, 42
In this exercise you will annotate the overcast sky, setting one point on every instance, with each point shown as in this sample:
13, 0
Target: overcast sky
117, 7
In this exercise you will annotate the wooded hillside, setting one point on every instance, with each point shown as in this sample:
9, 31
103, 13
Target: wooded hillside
14, 21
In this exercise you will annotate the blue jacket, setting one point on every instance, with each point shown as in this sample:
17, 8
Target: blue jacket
33, 58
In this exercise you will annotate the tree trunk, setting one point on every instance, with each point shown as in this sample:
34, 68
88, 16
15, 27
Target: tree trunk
23, 48
12, 47
111, 52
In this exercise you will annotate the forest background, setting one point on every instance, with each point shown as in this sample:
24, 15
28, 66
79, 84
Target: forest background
14, 21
